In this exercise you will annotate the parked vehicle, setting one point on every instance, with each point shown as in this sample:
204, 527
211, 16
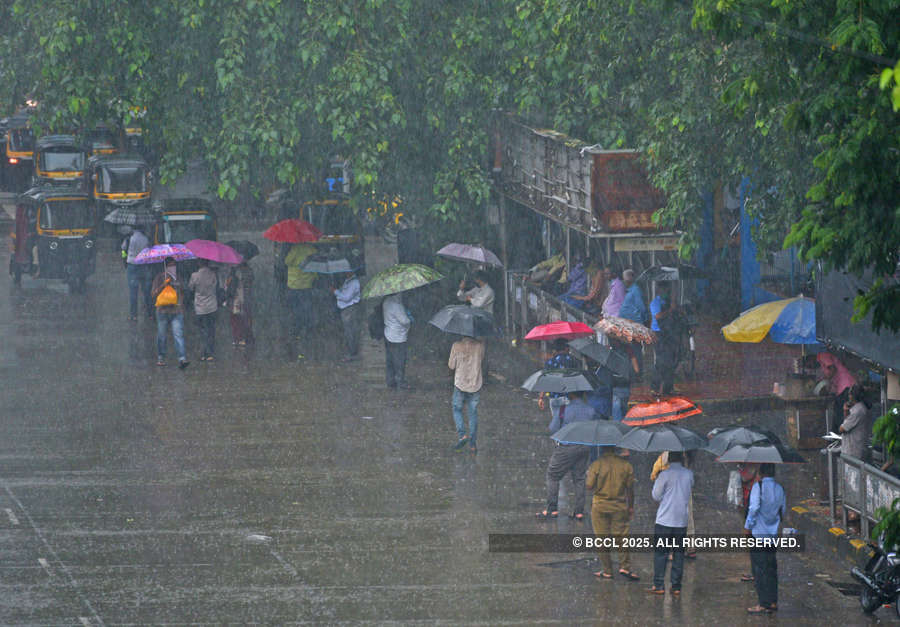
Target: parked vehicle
18, 152
100, 141
59, 160
880, 579
341, 228
54, 236
181, 220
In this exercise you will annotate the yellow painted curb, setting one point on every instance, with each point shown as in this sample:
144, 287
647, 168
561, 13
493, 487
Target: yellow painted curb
800, 510
857, 544
837, 531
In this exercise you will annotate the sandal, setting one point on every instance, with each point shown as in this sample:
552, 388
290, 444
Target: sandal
578, 517
629, 575
603, 575
547, 514
747, 578
758, 609
676, 593
655, 590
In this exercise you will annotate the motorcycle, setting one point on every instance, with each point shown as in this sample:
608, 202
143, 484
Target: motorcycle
880, 579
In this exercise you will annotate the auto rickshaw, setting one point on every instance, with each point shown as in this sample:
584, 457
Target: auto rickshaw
100, 141
342, 230
181, 220
59, 160
18, 152
54, 236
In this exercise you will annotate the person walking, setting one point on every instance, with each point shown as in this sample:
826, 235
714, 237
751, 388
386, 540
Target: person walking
568, 458
466, 356
662, 463
347, 297
238, 292
137, 275
611, 478
205, 284
168, 295
480, 296
767, 508
672, 490
396, 331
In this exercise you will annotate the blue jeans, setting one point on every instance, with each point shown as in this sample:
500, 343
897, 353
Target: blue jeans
470, 398
620, 402
162, 322
138, 281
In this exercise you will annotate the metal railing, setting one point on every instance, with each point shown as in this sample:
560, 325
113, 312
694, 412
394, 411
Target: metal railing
862, 489
529, 305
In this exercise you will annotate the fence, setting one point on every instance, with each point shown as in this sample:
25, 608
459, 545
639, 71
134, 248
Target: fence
528, 306
862, 489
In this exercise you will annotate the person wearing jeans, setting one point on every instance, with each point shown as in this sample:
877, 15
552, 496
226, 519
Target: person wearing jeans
169, 314
137, 276
672, 490
466, 357
205, 283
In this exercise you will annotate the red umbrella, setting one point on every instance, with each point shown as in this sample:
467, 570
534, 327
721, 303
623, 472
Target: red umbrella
664, 410
560, 329
292, 231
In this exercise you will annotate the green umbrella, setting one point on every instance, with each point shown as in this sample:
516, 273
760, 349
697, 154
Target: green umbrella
399, 278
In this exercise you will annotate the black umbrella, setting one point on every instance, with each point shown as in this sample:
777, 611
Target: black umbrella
561, 381
605, 356
592, 433
132, 216
723, 438
464, 320
664, 437
668, 273
245, 248
762, 453
324, 265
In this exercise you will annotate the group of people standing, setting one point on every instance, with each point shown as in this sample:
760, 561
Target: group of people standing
165, 299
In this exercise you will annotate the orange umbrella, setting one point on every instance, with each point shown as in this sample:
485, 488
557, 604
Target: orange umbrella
664, 410
559, 329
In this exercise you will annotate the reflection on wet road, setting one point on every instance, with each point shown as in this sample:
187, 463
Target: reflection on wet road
260, 489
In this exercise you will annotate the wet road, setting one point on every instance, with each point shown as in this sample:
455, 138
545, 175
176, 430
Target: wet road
132, 494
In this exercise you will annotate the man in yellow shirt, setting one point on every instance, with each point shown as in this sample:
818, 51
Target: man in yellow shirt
299, 294
611, 478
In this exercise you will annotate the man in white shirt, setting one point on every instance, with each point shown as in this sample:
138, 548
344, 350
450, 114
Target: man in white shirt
347, 296
672, 490
481, 296
396, 330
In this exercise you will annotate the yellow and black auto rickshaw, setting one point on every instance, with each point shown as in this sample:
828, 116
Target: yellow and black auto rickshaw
18, 152
184, 219
100, 141
59, 160
54, 236
342, 230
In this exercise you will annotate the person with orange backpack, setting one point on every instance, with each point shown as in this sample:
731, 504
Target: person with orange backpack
168, 296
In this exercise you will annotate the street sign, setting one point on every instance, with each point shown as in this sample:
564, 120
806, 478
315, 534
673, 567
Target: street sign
636, 244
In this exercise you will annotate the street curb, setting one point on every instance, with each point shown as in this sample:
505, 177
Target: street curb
827, 539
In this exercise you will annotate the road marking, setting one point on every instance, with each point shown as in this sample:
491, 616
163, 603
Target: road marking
290, 569
837, 531
800, 510
46, 566
52, 552
12, 517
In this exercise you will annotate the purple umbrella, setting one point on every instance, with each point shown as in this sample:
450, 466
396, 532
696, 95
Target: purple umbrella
464, 252
158, 253
214, 251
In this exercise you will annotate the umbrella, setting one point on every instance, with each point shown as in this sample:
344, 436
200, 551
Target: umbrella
158, 253
762, 453
399, 278
464, 252
292, 231
592, 433
665, 410
667, 273
321, 265
658, 438
723, 438
561, 381
245, 248
464, 320
559, 330
626, 330
605, 356
132, 216
788, 321
214, 251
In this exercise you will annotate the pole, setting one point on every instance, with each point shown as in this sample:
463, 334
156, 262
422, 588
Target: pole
505, 259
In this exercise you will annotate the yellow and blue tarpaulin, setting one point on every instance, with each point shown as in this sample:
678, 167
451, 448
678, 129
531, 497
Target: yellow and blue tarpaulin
788, 321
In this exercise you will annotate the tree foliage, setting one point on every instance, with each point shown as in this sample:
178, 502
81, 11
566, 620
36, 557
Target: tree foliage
800, 96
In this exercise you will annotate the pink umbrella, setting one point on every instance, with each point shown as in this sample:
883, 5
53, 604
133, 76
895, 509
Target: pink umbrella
158, 253
214, 251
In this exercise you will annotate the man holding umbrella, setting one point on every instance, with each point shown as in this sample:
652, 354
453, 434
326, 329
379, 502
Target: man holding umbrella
672, 490
465, 360
138, 278
767, 507
611, 478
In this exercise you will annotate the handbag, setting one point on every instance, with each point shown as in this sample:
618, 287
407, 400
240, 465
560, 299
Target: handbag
167, 297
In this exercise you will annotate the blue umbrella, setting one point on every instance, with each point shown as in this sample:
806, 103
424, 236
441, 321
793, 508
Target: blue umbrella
788, 321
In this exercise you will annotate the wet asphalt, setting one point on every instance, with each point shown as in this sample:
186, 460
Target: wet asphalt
263, 489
